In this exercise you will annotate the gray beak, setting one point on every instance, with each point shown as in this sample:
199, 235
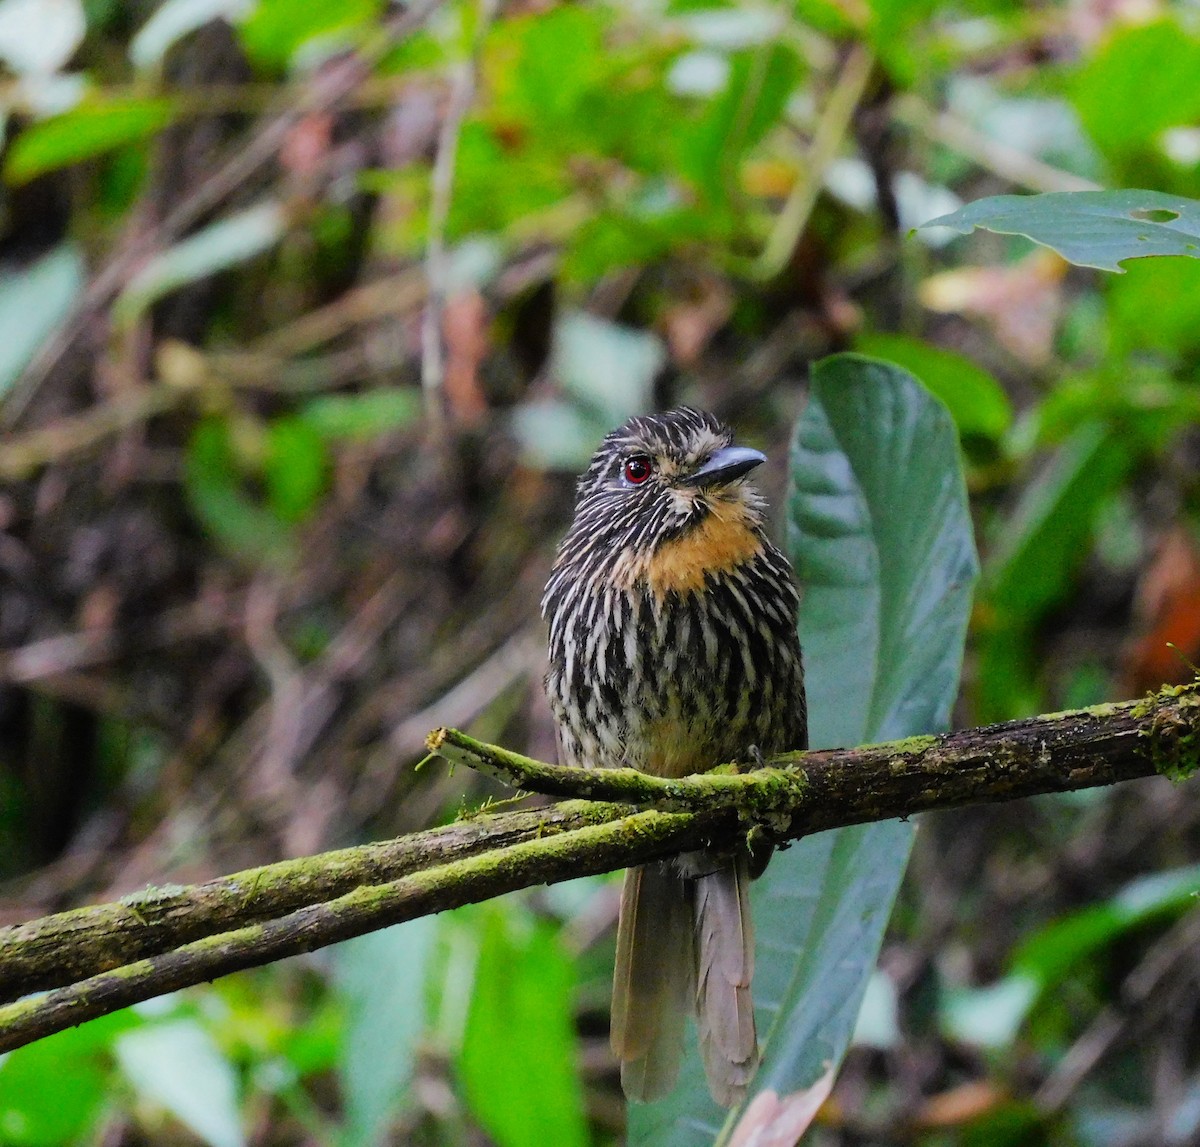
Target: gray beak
726, 465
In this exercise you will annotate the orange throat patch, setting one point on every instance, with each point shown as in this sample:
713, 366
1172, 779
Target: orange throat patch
723, 541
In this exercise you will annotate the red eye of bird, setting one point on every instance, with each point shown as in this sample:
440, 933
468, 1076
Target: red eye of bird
637, 469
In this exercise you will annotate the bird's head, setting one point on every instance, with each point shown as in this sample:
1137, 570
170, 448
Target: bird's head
664, 499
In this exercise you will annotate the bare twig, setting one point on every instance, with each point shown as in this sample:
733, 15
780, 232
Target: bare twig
462, 92
831, 131
992, 155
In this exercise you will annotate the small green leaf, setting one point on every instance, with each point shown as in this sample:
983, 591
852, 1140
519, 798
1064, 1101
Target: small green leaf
212, 482
178, 1066
711, 147
381, 978
84, 132
295, 468
276, 30
608, 367
361, 417
518, 1059
1050, 953
976, 401
556, 435
880, 534
220, 245
992, 1016
1040, 545
1155, 306
1090, 228
37, 37
171, 21
1037, 550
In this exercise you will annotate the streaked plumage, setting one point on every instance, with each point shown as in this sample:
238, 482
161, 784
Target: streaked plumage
673, 648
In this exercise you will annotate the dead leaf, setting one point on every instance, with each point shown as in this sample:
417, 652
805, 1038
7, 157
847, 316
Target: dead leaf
1167, 607
465, 329
690, 324
1021, 302
959, 1105
772, 1121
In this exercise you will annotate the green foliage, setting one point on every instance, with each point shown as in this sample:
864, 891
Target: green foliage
360, 417
85, 132
644, 153
52, 1091
975, 400
1061, 949
381, 977
1038, 549
218, 496
1139, 82
214, 248
178, 1066
518, 1051
276, 30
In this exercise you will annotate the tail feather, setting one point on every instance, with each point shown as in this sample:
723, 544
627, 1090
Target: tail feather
724, 938
654, 979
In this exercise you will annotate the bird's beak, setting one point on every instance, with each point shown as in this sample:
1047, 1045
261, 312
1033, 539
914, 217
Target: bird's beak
725, 466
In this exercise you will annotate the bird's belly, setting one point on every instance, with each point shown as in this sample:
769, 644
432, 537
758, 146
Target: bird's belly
677, 685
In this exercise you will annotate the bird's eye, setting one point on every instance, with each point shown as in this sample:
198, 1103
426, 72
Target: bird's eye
637, 469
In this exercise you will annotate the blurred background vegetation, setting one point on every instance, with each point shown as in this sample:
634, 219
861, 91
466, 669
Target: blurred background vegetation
308, 314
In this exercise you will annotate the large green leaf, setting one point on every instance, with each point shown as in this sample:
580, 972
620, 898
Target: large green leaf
1091, 228
53, 1091
517, 1062
881, 538
381, 978
976, 401
178, 1066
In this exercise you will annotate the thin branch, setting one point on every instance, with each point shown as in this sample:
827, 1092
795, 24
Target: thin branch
462, 93
991, 154
584, 852
55, 950
831, 131
186, 936
768, 788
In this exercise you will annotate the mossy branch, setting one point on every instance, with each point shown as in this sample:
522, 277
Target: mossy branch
102, 958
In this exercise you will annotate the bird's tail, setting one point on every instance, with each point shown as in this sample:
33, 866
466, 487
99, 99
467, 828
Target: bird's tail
684, 944
724, 969
654, 980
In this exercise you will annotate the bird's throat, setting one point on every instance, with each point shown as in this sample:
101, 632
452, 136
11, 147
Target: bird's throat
723, 541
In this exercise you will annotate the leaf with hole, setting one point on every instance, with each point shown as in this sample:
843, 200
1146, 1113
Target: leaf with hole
1090, 228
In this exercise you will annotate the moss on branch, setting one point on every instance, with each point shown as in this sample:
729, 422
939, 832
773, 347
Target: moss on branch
102, 958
